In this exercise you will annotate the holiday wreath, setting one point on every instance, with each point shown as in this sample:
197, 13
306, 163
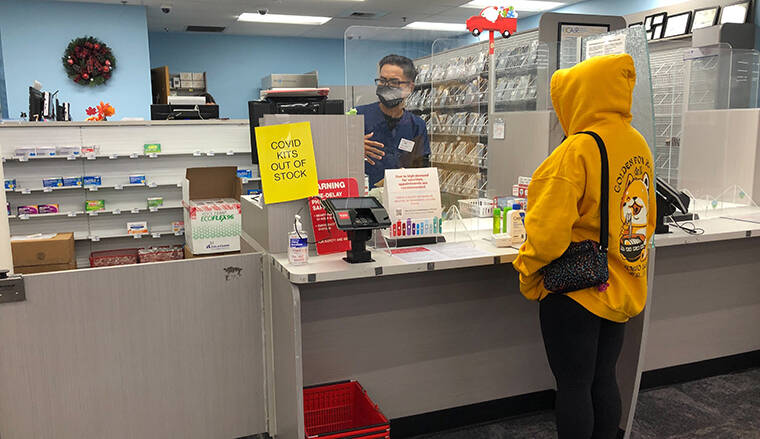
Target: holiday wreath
88, 61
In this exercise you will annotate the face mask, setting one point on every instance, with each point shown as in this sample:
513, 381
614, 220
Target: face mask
390, 96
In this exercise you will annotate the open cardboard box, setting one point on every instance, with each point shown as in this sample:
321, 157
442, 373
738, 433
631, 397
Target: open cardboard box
44, 255
211, 201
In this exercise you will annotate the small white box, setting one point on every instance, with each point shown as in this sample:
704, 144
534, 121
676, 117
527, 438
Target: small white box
186, 76
137, 228
523, 180
46, 150
213, 226
198, 77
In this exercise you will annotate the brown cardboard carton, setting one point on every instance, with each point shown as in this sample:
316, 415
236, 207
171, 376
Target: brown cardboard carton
58, 250
209, 183
45, 268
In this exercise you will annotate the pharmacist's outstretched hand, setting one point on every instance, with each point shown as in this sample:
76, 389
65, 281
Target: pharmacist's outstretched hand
371, 150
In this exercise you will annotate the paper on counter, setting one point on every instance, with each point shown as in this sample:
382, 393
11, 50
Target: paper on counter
439, 252
459, 250
416, 255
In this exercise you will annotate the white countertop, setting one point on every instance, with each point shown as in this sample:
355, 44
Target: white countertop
80, 124
715, 229
333, 268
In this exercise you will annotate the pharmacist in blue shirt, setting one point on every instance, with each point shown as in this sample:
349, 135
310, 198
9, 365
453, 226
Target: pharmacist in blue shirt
393, 137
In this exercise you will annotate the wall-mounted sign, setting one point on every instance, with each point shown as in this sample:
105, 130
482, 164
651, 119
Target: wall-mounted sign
705, 18
736, 13
677, 24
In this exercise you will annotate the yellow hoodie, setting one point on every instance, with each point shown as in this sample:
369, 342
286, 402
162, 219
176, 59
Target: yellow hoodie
564, 195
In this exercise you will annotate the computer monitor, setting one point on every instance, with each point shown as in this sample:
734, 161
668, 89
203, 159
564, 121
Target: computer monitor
289, 105
35, 104
184, 112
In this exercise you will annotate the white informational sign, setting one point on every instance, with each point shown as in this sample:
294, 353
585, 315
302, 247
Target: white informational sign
570, 36
607, 45
499, 129
412, 193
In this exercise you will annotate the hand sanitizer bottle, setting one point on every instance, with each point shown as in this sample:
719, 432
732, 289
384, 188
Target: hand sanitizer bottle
298, 244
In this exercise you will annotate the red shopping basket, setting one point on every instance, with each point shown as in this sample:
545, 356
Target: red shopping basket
342, 410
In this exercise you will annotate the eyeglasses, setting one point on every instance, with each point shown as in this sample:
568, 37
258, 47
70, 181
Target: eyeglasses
393, 82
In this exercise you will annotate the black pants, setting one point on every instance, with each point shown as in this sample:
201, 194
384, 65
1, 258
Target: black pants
583, 350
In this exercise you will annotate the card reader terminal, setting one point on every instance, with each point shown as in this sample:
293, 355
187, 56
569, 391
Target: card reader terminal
358, 216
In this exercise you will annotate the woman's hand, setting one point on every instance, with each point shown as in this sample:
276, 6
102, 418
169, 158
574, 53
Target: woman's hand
371, 150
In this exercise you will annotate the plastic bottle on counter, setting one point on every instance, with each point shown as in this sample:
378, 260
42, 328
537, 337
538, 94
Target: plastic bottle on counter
298, 244
496, 221
516, 224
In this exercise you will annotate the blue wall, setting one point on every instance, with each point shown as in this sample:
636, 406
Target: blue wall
35, 34
236, 64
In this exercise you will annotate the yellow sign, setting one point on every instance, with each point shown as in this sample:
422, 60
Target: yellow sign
286, 162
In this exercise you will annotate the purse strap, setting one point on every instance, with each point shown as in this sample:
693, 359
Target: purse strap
604, 234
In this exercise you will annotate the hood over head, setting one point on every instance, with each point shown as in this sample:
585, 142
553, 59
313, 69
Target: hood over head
598, 89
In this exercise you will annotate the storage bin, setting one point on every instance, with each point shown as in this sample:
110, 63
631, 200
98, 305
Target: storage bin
110, 258
342, 410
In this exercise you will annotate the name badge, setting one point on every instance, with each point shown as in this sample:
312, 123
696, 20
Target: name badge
406, 145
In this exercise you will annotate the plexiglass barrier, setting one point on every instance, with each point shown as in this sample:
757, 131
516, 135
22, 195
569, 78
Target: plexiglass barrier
720, 77
461, 96
717, 158
444, 96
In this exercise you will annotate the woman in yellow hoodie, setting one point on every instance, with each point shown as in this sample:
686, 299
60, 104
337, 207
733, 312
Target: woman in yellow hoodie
583, 330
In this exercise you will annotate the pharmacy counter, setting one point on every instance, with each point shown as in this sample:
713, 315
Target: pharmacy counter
423, 336
422, 333
706, 295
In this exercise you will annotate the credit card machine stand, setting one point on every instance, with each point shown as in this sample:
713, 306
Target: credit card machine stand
358, 217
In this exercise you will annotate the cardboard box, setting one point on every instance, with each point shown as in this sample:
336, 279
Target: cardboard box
57, 251
198, 77
186, 76
45, 268
211, 201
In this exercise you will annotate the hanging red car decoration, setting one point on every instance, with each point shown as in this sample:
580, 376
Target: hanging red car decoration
494, 19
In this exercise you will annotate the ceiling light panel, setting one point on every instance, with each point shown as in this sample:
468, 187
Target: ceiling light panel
520, 5
308, 20
446, 27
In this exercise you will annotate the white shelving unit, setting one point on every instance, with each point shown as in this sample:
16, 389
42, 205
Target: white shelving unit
184, 145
